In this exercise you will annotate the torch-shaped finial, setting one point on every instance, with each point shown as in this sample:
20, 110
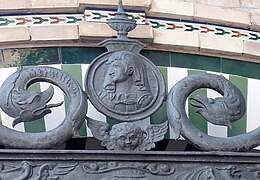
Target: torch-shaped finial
121, 23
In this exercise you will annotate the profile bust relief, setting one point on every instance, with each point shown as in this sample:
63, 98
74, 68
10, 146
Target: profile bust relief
121, 83
126, 87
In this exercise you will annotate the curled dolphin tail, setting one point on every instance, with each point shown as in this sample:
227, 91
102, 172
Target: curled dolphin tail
24, 105
220, 111
6, 89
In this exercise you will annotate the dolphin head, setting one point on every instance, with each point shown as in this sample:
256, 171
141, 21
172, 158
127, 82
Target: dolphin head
34, 105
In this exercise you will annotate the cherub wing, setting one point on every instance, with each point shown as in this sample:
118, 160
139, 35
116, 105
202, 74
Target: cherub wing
100, 131
154, 134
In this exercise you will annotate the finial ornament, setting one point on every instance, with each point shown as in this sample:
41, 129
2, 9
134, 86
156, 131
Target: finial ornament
130, 87
121, 23
120, 8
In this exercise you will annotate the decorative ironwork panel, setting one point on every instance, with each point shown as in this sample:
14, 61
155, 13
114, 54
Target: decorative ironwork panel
124, 85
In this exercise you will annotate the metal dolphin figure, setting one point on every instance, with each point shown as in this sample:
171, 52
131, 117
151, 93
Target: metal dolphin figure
24, 105
221, 110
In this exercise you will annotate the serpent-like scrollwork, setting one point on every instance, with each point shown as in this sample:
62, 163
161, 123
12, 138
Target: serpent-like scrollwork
24, 106
220, 111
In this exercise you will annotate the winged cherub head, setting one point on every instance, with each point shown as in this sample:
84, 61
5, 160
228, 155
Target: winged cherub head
126, 136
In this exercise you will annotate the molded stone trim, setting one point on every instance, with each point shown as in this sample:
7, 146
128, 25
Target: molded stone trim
165, 8
159, 32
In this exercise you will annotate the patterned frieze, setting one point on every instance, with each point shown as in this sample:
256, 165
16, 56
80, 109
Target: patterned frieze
97, 15
157, 31
202, 28
157, 23
40, 20
104, 165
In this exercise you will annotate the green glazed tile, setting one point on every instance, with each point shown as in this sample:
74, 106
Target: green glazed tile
242, 68
84, 55
197, 120
38, 125
11, 57
31, 56
159, 58
112, 121
160, 116
195, 61
75, 71
239, 127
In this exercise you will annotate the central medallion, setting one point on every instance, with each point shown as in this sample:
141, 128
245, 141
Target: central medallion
122, 83
125, 85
